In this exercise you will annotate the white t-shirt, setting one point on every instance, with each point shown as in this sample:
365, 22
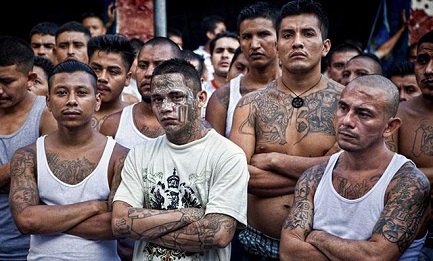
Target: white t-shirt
210, 173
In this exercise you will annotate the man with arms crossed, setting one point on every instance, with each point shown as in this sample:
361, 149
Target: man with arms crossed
366, 202
171, 198
414, 138
63, 184
287, 126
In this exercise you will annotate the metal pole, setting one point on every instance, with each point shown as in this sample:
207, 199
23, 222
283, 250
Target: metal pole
160, 18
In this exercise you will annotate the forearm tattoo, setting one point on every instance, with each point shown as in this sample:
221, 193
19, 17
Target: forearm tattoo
128, 228
198, 236
301, 215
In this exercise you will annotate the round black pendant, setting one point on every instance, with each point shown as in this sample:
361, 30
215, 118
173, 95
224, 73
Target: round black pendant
297, 102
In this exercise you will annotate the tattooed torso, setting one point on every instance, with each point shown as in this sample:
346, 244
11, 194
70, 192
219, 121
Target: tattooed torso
304, 131
416, 134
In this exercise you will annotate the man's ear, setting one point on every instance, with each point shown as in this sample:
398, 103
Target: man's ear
393, 124
201, 98
98, 101
31, 77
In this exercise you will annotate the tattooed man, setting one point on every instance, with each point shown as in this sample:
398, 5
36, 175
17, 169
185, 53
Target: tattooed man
367, 202
183, 194
414, 138
287, 126
63, 184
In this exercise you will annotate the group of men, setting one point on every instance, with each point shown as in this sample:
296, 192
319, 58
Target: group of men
300, 167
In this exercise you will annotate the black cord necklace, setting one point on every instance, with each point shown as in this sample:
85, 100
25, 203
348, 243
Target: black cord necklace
297, 102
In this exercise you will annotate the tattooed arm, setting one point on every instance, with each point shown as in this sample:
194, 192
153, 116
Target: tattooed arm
149, 224
263, 182
403, 219
30, 215
299, 223
216, 110
99, 226
213, 231
184, 229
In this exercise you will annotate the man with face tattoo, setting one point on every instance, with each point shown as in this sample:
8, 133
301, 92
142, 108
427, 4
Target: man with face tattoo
171, 200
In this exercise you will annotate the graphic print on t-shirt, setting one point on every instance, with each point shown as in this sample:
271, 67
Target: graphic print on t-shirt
173, 194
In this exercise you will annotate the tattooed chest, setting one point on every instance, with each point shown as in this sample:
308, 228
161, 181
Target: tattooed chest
70, 171
277, 119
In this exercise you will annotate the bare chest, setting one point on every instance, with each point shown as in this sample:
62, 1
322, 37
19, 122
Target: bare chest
306, 130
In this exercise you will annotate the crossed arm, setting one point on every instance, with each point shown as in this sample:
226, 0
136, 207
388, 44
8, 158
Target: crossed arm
271, 173
186, 229
402, 220
89, 219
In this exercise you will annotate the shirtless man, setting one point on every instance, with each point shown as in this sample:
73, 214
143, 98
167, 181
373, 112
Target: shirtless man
413, 138
62, 185
287, 126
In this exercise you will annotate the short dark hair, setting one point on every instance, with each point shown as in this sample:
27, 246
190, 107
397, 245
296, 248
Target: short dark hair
16, 51
136, 43
71, 66
113, 43
90, 14
44, 28
46, 65
298, 7
190, 55
235, 56
73, 26
342, 48
179, 65
401, 68
426, 38
209, 23
372, 57
175, 32
161, 41
260, 9
225, 34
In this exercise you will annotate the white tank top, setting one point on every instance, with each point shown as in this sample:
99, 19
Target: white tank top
235, 96
53, 191
355, 219
127, 133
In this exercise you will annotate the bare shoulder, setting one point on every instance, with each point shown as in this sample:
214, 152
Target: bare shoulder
333, 85
314, 174
28, 151
410, 177
110, 125
260, 95
415, 108
120, 152
222, 94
